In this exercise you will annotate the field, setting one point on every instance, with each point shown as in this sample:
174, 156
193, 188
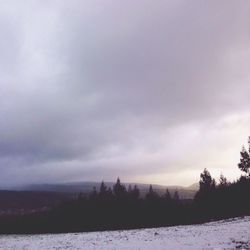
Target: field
225, 234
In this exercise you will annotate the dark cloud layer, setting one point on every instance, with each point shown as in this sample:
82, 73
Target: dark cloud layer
90, 90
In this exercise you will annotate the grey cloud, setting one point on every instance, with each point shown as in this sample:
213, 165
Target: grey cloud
102, 84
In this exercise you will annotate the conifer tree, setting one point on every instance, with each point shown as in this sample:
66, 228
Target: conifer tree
167, 195
151, 195
207, 183
244, 164
223, 181
119, 189
136, 192
103, 191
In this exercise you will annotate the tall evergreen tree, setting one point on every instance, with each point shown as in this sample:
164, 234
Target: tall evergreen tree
151, 195
223, 181
244, 164
207, 183
167, 195
119, 189
103, 191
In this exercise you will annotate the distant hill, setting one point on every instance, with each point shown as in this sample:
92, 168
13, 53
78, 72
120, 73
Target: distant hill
86, 187
16, 202
194, 186
38, 197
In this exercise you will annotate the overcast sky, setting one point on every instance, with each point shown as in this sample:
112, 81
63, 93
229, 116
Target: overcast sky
152, 91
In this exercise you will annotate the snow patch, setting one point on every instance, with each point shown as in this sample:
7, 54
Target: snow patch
225, 234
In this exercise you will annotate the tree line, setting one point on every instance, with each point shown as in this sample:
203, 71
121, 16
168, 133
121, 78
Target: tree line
124, 208
119, 192
225, 199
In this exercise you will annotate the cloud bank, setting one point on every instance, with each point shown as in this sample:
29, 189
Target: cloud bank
152, 91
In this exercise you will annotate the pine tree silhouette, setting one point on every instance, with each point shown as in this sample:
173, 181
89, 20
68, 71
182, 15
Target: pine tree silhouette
244, 164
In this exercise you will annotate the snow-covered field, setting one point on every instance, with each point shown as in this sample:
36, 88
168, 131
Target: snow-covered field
228, 234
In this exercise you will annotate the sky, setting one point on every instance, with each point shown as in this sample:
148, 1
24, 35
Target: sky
151, 91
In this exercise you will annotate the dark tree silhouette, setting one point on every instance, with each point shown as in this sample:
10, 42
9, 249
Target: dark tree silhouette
207, 183
103, 191
223, 181
151, 195
119, 190
244, 164
109, 194
167, 195
133, 193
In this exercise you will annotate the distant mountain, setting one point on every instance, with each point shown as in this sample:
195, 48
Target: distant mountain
40, 196
86, 187
194, 186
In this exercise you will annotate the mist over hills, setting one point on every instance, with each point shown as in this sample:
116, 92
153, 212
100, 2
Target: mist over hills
40, 196
86, 187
